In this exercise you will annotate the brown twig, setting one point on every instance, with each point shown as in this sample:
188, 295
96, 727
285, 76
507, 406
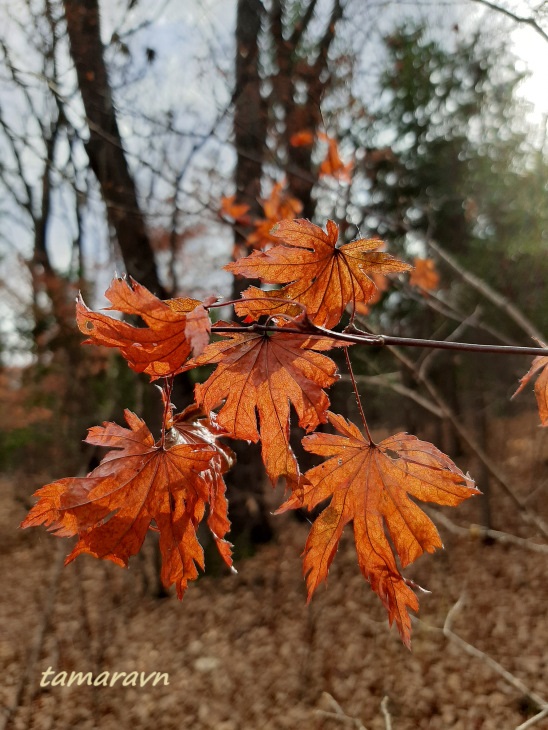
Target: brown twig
384, 382
357, 395
475, 531
486, 659
521, 19
386, 713
533, 720
488, 292
338, 714
363, 338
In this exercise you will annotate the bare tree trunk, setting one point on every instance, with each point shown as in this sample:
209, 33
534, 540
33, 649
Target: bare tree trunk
293, 69
246, 480
250, 119
104, 148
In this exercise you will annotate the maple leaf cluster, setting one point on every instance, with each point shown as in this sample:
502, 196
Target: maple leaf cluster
271, 365
280, 204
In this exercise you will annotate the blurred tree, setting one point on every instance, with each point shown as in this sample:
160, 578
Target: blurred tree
452, 156
104, 147
453, 162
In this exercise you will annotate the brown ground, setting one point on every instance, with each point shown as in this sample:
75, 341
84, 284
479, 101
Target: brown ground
245, 652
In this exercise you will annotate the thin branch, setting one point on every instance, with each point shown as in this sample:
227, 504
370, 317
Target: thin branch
486, 659
427, 360
485, 290
338, 714
363, 338
357, 394
384, 382
474, 531
320, 64
302, 24
533, 720
531, 22
386, 713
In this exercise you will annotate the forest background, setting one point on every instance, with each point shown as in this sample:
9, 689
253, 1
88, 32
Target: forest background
164, 141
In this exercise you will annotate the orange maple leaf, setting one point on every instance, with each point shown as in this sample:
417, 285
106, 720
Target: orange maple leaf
174, 328
262, 374
136, 483
193, 426
540, 367
321, 275
424, 275
371, 485
381, 282
236, 211
302, 139
332, 165
278, 206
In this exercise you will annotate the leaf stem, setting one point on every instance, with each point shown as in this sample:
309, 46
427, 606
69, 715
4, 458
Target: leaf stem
167, 387
358, 399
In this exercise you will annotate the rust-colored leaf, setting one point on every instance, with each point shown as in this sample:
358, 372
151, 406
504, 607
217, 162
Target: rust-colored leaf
305, 138
197, 322
381, 282
321, 275
174, 328
236, 211
540, 368
278, 206
424, 275
332, 165
193, 426
261, 374
137, 483
374, 485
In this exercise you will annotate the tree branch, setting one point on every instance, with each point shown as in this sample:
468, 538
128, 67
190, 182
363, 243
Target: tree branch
531, 22
485, 290
302, 24
355, 336
486, 659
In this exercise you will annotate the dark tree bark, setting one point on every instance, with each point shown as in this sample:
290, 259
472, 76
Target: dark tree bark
250, 119
255, 115
104, 148
246, 479
293, 69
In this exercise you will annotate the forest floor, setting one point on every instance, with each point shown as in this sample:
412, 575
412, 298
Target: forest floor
245, 652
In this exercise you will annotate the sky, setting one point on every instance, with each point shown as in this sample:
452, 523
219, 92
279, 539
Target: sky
533, 49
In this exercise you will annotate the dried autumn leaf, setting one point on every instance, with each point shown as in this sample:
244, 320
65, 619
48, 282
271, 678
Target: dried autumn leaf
192, 426
321, 275
236, 211
424, 275
332, 165
261, 374
540, 368
197, 322
302, 139
371, 485
381, 282
278, 206
138, 482
174, 328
